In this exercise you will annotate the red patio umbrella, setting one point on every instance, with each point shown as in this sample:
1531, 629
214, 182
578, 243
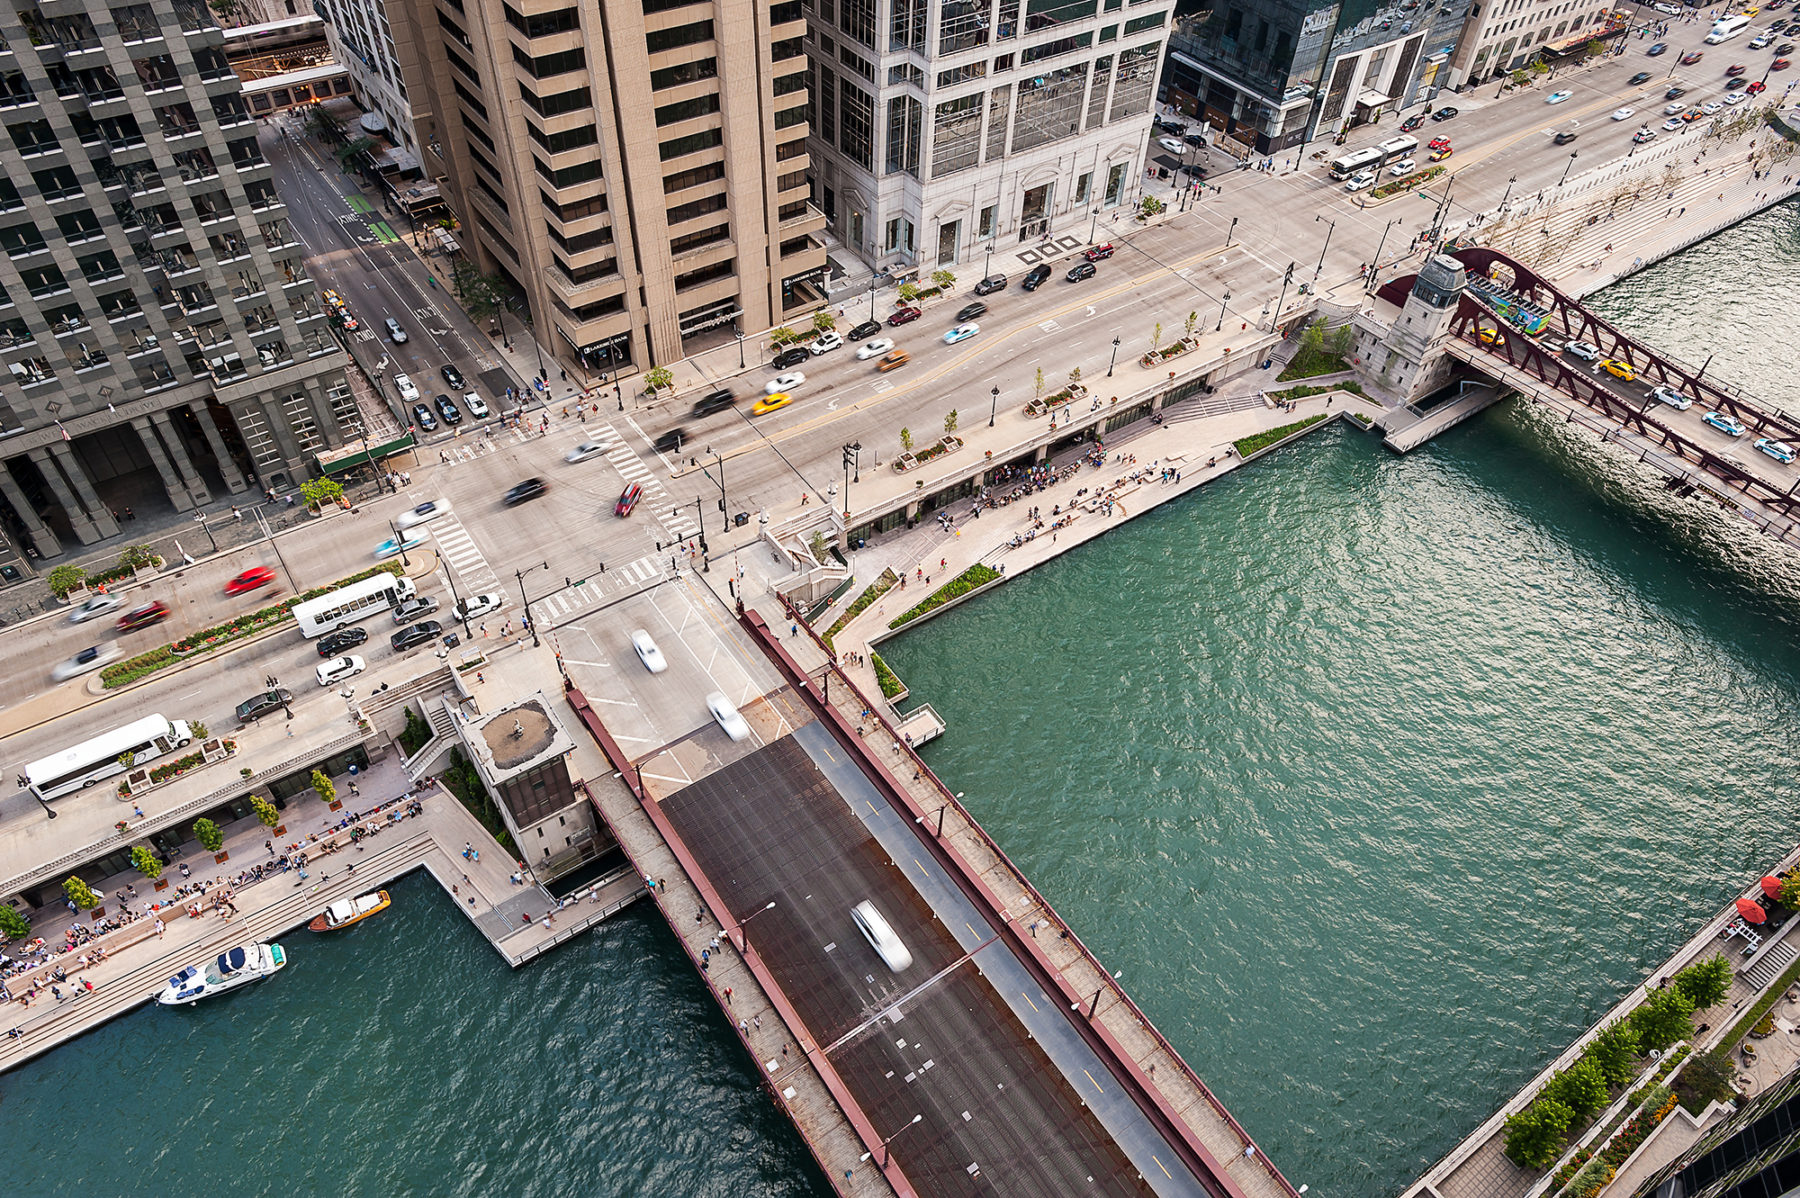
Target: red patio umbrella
1771, 886
1751, 911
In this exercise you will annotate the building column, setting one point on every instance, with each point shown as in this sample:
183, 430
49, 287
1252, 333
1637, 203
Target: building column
276, 417
79, 520
171, 439
42, 539
228, 469
177, 493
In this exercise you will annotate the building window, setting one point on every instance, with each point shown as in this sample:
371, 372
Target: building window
985, 229
856, 113
543, 24
906, 25
827, 107
1115, 183
1057, 48
1139, 24
568, 139
999, 109
962, 74
1096, 113
693, 241
787, 118
694, 177
787, 85
857, 63
857, 19
956, 136
693, 143
687, 110
569, 176
546, 65
571, 101
1082, 185
680, 35
706, 274
688, 72
694, 208
905, 115
1049, 107
1135, 81
962, 25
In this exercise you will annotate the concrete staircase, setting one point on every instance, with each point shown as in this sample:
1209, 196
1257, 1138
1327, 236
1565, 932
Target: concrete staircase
1770, 966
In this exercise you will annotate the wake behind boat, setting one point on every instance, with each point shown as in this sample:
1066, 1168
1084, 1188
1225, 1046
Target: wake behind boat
345, 912
231, 969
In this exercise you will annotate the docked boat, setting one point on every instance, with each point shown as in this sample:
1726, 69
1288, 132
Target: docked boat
231, 969
345, 912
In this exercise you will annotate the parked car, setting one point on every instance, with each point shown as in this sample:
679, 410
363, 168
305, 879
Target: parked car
865, 330
422, 633
972, 311
893, 361
726, 712
990, 285
1080, 271
904, 316
340, 668
1101, 252
874, 349
426, 512
259, 705
98, 604
154, 612
411, 609
449, 411
825, 342
671, 441
792, 357
1035, 277
453, 377
717, 401
647, 652
477, 406
530, 489
409, 392
423, 418
1643, 135
86, 661
584, 451
396, 334
250, 580
478, 607
1444, 114
333, 644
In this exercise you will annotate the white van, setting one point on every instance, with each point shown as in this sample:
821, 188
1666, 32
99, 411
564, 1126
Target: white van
1727, 28
881, 938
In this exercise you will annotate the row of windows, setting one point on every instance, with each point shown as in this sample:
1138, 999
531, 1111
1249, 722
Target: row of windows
457, 62
787, 85
699, 207
569, 176
678, 36
585, 274
693, 177
568, 139
693, 143
581, 243
573, 210
546, 65
706, 274
693, 241
468, 97
687, 110
545, 23
476, 132
561, 102
593, 311
689, 72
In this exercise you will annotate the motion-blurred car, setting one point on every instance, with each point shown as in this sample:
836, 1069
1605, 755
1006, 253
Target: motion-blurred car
874, 349
154, 612
791, 381
523, 492
86, 661
250, 580
724, 711
974, 311
430, 510
628, 499
1623, 114
97, 604
1640, 77
584, 451
893, 361
719, 400
771, 403
1657, 50
393, 545
961, 332
671, 441
647, 652
1557, 97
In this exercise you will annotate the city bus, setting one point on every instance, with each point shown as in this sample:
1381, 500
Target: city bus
1396, 148
1726, 28
348, 604
92, 760
1356, 160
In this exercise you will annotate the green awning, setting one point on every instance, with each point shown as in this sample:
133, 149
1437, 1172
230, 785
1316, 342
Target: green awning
351, 456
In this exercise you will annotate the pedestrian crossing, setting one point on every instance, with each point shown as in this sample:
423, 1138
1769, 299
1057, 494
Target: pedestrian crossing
678, 523
591, 591
457, 547
471, 446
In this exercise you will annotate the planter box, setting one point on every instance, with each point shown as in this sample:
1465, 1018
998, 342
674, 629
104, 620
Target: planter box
937, 449
337, 804
160, 884
1050, 403
98, 913
1155, 358
221, 858
281, 829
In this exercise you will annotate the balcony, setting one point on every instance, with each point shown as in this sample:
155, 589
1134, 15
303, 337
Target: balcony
26, 250
70, 325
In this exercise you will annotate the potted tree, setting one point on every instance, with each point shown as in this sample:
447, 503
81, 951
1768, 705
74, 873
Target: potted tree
82, 895
266, 814
211, 838
326, 790
146, 863
13, 926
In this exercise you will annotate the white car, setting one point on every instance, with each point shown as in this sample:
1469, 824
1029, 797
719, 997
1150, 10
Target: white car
1736, 98
584, 451
93, 658
1672, 124
1673, 398
478, 607
1405, 166
824, 343
1675, 109
1759, 41
477, 406
1557, 97
1623, 114
424, 513
874, 349
1711, 106
1172, 145
1360, 181
723, 711
408, 390
96, 605
784, 382
339, 668
1582, 350
1781, 451
647, 652
1670, 10
961, 332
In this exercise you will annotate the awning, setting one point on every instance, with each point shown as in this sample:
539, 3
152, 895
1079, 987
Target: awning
1371, 99
337, 461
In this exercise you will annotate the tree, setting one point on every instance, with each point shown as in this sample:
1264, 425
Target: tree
906, 440
950, 422
64, 579
818, 546
943, 280
1789, 896
1539, 67
320, 491
483, 296
351, 151
1666, 1016
127, 759
80, 893
265, 811
781, 335
1187, 326
208, 834
909, 292
1616, 1051
1156, 337
135, 557
323, 785
658, 377
1708, 1076
198, 729
145, 862
13, 926
1150, 206
1581, 1087
1534, 1136
1074, 378
1706, 983
1037, 385
1343, 340
1312, 342
1594, 48
1517, 79
824, 321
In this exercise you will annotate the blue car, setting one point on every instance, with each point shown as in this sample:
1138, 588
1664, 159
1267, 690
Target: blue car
391, 546
1731, 426
961, 332
1658, 48
1778, 450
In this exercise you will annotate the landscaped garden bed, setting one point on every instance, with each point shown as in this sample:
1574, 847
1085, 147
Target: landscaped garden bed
878, 588
891, 686
975, 576
1049, 403
1158, 356
1306, 390
918, 457
1407, 183
1249, 445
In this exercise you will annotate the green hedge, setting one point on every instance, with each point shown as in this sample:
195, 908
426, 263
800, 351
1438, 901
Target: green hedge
1249, 445
876, 590
962, 584
220, 635
1307, 390
889, 681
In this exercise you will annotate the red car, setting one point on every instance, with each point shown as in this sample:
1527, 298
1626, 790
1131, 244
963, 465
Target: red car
1759, 85
142, 617
1735, 69
905, 316
1780, 64
1101, 252
1688, 60
1439, 143
628, 499
250, 580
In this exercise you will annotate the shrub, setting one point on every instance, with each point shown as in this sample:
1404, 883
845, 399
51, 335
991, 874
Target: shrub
13, 926
136, 557
658, 377
1615, 1050
1706, 983
80, 893
1581, 1087
320, 491
1249, 445
145, 862
1307, 390
876, 589
1150, 207
266, 814
950, 422
208, 834
463, 782
943, 280
417, 733
889, 681
909, 292
1666, 1016
975, 576
180, 765
64, 579
1707, 1078
1535, 1135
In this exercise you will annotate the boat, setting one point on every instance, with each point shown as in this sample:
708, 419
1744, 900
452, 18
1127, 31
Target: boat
345, 912
232, 968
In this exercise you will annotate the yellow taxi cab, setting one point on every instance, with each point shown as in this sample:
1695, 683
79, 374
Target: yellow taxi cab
893, 360
1618, 369
1493, 337
770, 403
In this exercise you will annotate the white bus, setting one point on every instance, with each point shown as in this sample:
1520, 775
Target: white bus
348, 604
92, 760
1396, 148
1357, 160
1726, 28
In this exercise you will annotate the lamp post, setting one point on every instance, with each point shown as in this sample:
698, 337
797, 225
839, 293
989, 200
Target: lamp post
1573, 154
739, 334
852, 455
1508, 193
1094, 1002
1115, 358
49, 811
520, 575
987, 268
743, 945
1093, 226
400, 544
1222, 304
1375, 262
871, 314
890, 1140
1332, 228
1230, 231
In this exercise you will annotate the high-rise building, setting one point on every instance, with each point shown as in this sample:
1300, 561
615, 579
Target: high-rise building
1754, 1152
161, 337
943, 130
1504, 36
635, 168
1272, 74
380, 59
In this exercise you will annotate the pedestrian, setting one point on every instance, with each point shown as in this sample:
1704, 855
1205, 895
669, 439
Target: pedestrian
728, 994
793, 629
159, 927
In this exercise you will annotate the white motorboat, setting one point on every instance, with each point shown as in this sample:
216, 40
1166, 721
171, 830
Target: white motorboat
232, 968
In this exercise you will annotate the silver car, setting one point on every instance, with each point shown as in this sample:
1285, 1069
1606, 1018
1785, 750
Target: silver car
724, 711
412, 609
647, 652
584, 451
96, 605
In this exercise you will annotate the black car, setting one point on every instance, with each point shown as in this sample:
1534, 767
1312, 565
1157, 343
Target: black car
1732, 85
792, 357
1640, 77
718, 401
865, 330
1443, 114
1412, 122
448, 410
971, 311
1675, 93
1080, 271
1197, 140
990, 285
1564, 138
671, 441
336, 644
423, 418
531, 488
422, 633
1785, 48
257, 706
1034, 278
454, 378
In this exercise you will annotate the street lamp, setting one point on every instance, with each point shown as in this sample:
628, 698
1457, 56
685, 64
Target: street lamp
1375, 263
400, 544
1230, 231
1565, 175
1328, 232
1093, 226
739, 333
520, 575
1222, 304
851, 453
1115, 358
890, 1140
994, 407
744, 936
48, 810
1508, 193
